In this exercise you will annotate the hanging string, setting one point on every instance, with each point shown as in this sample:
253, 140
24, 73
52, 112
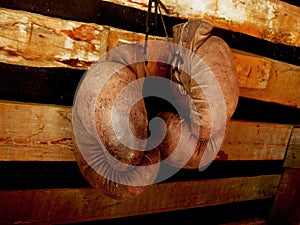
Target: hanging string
157, 5
176, 59
163, 22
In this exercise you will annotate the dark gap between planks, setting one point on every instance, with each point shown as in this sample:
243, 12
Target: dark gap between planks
58, 86
43, 175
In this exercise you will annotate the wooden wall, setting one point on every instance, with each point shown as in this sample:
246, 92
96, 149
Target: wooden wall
45, 48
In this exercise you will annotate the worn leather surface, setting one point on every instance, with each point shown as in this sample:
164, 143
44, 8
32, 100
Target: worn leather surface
209, 56
205, 88
118, 171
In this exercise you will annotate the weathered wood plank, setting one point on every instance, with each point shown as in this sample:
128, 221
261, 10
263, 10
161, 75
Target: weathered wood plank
255, 141
253, 71
286, 207
292, 158
155, 50
283, 85
259, 77
265, 19
33, 132
26, 37
258, 70
128, 18
34, 40
259, 221
41, 41
77, 205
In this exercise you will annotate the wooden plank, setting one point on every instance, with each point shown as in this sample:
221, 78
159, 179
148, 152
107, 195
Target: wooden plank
265, 19
292, 158
77, 205
283, 86
41, 41
132, 19
255, 141
286, 207
259, 221
34, 40
155, 50
259, 77
253, 72
34, 132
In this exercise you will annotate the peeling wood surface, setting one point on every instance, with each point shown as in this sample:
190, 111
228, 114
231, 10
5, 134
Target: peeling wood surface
77, 205
34, 132
292, 159
41, 41
271, 20
34, 40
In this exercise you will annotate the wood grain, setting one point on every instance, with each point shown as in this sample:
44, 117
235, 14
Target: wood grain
36, 132
255, 141
41, 41
77, 205
286, 207
283, 86
271, 20
258, 221
259, 77
30, 39
292, 158
253, 71
32, 132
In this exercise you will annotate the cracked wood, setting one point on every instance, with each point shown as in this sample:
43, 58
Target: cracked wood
41, 41
271, 20
34, 40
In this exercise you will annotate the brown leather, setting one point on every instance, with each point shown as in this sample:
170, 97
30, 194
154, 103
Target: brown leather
115, 169
123, 164
192, 34
215, 55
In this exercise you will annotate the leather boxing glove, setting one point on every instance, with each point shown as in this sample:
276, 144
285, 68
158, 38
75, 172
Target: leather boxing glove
207, 90
120, 171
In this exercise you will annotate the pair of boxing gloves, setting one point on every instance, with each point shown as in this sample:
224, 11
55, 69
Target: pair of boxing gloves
117, 150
